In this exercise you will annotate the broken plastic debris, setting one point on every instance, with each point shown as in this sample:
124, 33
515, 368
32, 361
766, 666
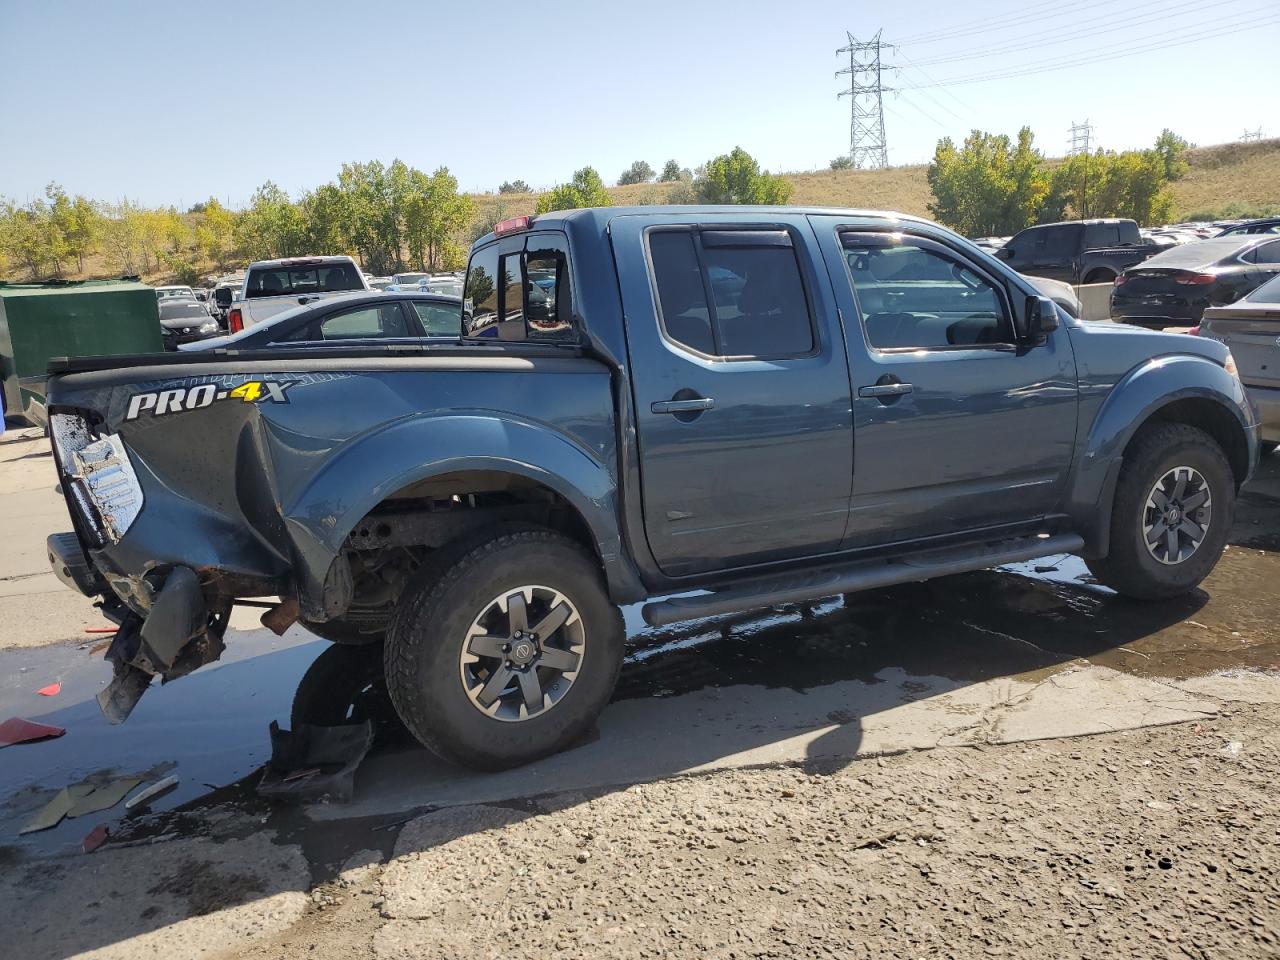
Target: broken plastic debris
51, 814
1232, 749
94, 838
312, 762
105, 797
16, 730
101, 629
52, 690
151, 792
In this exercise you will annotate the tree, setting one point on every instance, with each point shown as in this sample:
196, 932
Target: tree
586, 189
215, 234
1173, 153
842, 162
736, 177
638, 172
1131, 184
272, 227
514, 186
671, 172
988, 186
435, 215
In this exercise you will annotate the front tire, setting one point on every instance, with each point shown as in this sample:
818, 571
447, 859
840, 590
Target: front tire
506, 653
1173, 508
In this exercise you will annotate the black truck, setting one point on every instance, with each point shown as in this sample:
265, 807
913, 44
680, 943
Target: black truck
1077, 251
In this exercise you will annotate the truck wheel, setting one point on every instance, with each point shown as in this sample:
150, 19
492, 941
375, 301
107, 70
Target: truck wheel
505, 652
1172, 512
1100, 276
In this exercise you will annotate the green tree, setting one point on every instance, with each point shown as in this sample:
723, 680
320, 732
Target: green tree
842, 162
436, 215
514, 186
272, 226
1173, 153
122, 236
671, 172
586, 189
325, 211
1108, 184
736, 177
989, 185
215, 233
638, 172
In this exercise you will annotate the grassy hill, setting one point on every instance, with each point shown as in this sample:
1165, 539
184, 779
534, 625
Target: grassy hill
1231, 179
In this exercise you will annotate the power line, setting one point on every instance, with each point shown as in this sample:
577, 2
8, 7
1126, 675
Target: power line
1027, 70
1051, 38
997, 23
1254, 136
867, 142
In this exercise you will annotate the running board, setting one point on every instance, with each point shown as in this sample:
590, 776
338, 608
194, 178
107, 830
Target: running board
861, 575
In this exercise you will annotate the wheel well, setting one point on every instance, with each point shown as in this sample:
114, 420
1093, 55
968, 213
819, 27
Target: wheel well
397, 536
437, 510
1217, 421
1099, 275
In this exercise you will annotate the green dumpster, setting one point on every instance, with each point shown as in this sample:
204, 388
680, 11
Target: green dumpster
92, 318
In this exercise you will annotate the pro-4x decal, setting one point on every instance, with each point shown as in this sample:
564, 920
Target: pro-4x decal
158, 403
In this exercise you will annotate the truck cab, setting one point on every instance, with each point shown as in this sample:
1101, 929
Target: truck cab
271, 286
1077, 251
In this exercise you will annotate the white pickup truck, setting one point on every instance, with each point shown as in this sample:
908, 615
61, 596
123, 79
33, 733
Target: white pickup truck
273, 286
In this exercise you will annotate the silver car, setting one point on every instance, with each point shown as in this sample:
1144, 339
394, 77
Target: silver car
1250, 327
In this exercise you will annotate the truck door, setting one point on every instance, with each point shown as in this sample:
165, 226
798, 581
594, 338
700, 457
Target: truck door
741, 390
958, 426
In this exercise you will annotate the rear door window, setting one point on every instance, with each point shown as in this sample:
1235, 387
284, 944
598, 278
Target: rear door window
1101, 235
1267, 253
438, 319
480, 295
732, 293
285, 281
368, 322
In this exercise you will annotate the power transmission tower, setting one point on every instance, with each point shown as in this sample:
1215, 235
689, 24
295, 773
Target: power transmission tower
1080, 145
867, 144
1251, 135
1081, 135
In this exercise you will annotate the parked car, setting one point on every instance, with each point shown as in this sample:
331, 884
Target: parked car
380, 283
371, 316
175, 293
185, 321
1249, 227
1173, 288
272, 286
486, 507
224, 292
407, 281
447, 284
1250, 328
1077, 251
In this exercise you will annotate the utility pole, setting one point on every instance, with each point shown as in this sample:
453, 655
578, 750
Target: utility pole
1080, 146
1251, 135
867, 145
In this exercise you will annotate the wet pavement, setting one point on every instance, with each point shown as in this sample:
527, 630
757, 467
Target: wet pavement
689, 696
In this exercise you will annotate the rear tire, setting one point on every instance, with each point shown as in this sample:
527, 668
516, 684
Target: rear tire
467, 669
1175, 481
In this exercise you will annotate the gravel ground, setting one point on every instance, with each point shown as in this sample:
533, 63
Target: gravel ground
1161, 842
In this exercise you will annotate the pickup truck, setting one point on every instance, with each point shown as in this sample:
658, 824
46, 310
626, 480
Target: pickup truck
711, 409
271, 286
1078, 251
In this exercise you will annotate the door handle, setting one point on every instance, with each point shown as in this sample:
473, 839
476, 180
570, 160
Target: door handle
885, 390
694, 405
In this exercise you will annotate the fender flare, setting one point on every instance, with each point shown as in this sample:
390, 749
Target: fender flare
1135, 398
320, 515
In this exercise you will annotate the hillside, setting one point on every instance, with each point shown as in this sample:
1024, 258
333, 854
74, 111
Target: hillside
1230, 179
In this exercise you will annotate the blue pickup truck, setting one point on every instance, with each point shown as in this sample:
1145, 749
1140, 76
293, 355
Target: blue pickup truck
707, 409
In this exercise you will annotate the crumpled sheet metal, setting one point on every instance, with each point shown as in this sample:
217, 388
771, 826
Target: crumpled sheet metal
80, 799
310, 762
16, 730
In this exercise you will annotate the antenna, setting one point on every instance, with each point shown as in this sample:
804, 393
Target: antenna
867, 144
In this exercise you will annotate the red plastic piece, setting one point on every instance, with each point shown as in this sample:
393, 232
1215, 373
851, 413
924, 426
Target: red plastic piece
16, 730
52, 690
94, 838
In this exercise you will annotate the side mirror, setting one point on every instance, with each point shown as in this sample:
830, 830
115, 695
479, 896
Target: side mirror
1042, 318
1004, 253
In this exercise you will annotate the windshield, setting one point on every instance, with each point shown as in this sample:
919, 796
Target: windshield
182, 308
175, 293
286, 281
410, 278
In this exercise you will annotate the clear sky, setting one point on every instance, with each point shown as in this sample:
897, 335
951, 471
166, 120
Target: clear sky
169, 102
